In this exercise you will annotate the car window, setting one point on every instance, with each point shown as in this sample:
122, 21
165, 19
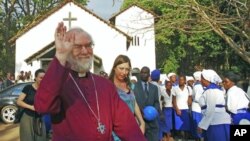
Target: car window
6, 91
17, 90
13, 90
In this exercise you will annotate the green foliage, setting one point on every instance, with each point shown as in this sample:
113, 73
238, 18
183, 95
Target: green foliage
184, 40
170, 65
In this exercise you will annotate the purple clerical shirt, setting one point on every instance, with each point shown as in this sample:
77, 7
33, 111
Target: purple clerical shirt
72, 120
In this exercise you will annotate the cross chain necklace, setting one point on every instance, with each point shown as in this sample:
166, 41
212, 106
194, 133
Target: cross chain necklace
101, 127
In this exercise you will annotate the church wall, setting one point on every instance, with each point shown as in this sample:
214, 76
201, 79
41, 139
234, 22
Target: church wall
139, 24
35, 39
108, 42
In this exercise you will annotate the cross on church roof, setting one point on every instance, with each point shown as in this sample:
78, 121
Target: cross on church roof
69, 19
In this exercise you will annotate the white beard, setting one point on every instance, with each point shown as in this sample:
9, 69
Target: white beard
81, 66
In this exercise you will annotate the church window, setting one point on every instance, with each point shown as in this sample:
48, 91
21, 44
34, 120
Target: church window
136, 41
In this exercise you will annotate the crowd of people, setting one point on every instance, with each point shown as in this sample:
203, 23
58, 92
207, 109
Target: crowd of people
6, 82
86, 106
10, 79
197, 107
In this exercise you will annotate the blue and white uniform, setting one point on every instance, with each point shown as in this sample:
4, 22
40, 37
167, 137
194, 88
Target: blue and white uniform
182, 122
168, 111
216, 121
237, 104
196, 109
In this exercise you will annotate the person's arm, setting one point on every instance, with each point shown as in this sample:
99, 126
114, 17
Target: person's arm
139, 117
198, 92
174, 102
208, 97
232, 101
190, 91
156, 99
190, 100
177, 110
47, 98
63, 43
21, 103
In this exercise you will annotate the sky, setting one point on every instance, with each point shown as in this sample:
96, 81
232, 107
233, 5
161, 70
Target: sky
104, 8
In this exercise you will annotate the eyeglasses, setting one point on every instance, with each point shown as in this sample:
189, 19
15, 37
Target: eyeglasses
88, 47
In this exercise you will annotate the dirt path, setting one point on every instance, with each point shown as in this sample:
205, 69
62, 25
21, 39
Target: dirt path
9, 132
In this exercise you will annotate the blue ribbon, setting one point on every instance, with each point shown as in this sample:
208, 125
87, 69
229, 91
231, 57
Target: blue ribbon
212, 86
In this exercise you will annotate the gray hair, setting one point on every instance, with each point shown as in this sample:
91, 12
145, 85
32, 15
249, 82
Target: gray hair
80, 30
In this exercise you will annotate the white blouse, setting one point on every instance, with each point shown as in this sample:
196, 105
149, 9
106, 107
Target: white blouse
167, 99
236, 99
197, 92
181, 96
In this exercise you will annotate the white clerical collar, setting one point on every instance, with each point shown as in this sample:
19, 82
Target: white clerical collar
81, 74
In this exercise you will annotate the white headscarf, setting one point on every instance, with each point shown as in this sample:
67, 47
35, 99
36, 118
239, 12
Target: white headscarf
197, 75
163, 78
166, 79
133, 78
211, 76
171, 74
189, 78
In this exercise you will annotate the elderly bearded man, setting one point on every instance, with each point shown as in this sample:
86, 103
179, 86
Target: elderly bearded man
83, 106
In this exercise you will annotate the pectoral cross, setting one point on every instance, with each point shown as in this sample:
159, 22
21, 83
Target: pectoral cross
101, 128
70, 19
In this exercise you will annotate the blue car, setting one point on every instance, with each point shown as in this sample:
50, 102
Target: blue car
8, 98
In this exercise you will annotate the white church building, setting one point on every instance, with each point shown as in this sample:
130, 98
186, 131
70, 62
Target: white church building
129, 32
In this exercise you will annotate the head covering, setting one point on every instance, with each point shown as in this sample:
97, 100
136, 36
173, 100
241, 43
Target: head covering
211, 76
167, 79
197, 75
155, 74
135, 70
171, 74
163, 78
133, 78
189, 78
244, 122
232, 76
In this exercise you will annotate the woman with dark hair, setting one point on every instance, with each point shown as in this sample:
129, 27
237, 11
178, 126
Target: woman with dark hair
120, 77
167, 109
182, 99
237, 102
32, 127
196, 108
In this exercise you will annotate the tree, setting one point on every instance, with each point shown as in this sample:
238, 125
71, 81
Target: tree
209, 28
231, 21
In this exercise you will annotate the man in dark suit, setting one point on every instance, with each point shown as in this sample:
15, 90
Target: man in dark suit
147, 95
